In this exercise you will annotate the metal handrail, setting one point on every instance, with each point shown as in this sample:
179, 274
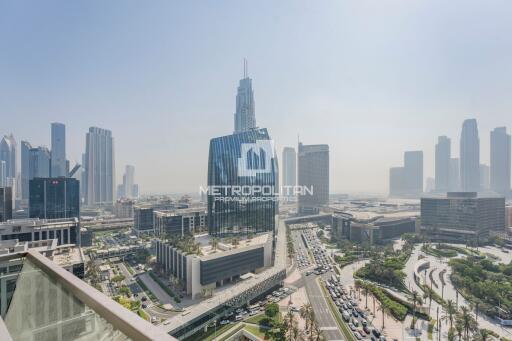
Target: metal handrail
122, 319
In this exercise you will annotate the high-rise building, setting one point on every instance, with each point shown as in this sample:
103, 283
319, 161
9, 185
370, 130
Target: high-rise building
39, 163
470, 156
3, 174
500, 161
128, 189
5, 203
54, 198
25, 168
413, 172
99, 166
8, 149
242, 179
245, 118
58, 150
484, 177
443, 155
397, 186
454, 175
289, 171
313, 173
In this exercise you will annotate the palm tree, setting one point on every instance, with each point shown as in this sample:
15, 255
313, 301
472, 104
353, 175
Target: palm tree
214, 243
384, 310
306, 312
451, 310
416, 299
467, 320
482, 335
459, 327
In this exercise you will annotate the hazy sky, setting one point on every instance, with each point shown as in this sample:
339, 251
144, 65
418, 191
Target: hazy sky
369, 78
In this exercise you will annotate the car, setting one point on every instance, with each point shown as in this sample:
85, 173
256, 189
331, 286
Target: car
376, 332
144, 306
357, 335
363, 321
223, 322
362, 332
239, 318
373, 338
382, 338
355, 322
144, 299
352, 327
367, 329
354, 313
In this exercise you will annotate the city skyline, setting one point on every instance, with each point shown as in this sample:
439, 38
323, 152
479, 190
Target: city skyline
157, 94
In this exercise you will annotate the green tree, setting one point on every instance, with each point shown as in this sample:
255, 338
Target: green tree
272, 310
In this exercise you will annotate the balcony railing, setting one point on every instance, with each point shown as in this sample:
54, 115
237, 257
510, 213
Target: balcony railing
50, 303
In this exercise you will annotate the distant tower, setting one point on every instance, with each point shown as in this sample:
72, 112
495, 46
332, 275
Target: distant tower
443, 154
8, 148
289, 170
58, 150
313, 172
25, 168
39, 163
99, 166
413, 172
470, 156
245, 118
500, 161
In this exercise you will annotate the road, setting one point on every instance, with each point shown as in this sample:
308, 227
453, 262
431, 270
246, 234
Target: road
323, 314
155, 288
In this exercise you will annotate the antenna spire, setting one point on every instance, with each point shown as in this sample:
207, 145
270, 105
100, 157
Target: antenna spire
245, 68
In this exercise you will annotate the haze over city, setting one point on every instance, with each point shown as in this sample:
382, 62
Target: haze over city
371, 79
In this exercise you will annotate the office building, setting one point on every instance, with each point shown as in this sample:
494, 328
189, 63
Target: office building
289, 172
244, 161
143, 219
442, 167
54, 198
470, 156
25, 168
212, 265
123, 208
364, 228
35, 229
500, 161
3, 174
454, 175
313, 173
413, 172
8, 149
397, 187
484, 177
5, 203
99, 166
179, 223
128, 189
58, 167
245, 118
462, 217
39, 163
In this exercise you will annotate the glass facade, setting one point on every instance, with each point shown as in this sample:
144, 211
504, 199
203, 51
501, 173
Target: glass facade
241, 200
54, 198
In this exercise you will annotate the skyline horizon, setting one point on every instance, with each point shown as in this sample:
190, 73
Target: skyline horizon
370, 80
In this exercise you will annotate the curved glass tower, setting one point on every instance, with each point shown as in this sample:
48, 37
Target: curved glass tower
242, 184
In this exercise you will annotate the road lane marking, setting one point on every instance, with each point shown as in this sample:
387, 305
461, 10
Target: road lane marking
328, 328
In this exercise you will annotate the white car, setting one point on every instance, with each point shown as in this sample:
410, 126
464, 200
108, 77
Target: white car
223, 322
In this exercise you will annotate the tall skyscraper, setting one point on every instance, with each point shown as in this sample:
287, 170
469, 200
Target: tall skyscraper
128, 189
5, 203
53, 198
485, 172
25, 168
8, 153
397, 187
413, 172
454, 175
289, 170
470, 156
58, 150
500, 161
39, 163
443, 155
99, 166
3, 174
313, 173
245, 118
245, 160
